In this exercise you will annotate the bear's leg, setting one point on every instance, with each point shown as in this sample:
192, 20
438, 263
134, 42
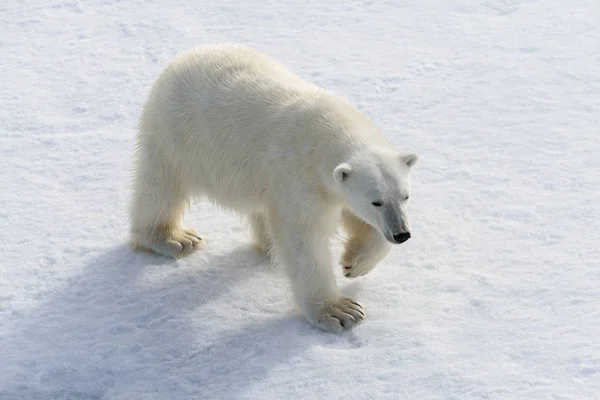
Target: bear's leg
261, 239
302, 247
156, 212
363, 249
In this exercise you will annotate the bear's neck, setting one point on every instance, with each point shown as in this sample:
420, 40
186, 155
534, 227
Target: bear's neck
337, 132
348, 133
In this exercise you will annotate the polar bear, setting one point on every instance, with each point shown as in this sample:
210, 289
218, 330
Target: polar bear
228, 123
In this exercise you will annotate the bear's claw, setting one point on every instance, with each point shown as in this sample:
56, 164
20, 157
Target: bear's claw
188, 241
348, 271
342, 314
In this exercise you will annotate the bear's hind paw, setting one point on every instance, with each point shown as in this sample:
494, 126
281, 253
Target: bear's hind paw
176, 244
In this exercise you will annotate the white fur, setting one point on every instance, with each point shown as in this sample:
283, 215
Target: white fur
228, 123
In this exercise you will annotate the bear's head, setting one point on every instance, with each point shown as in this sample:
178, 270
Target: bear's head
376, 187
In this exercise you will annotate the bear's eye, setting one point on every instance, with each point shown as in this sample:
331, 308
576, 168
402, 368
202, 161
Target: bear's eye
406, 198
376, 203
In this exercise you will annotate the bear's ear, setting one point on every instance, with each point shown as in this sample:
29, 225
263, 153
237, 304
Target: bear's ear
341, 172
409, 159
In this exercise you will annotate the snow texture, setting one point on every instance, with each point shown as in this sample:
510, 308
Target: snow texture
496, 296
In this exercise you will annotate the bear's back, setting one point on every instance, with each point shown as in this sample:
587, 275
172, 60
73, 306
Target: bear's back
232, 73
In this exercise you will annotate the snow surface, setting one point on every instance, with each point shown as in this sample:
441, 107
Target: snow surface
496, 296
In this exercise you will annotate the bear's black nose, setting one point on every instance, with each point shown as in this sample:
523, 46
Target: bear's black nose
402, 237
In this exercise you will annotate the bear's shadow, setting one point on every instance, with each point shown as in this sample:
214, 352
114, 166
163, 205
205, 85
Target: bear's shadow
126, 310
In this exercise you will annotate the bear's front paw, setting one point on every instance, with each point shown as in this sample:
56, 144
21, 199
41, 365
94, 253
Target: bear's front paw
183, 242
355, 261
360, 258
341, 314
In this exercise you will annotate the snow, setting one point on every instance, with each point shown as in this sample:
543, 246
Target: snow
496, 296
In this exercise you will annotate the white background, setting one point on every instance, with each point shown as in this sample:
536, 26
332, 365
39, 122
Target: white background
496, 296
